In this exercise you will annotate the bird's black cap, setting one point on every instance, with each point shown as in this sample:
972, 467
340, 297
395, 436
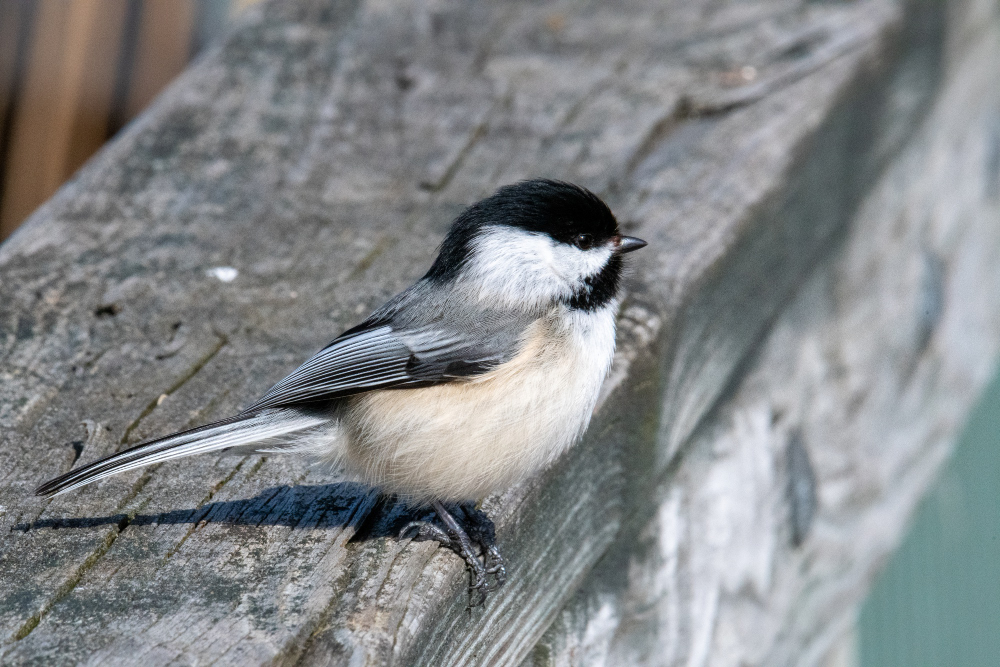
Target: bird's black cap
561, 210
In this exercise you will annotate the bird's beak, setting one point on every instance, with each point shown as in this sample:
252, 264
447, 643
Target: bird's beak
624, 244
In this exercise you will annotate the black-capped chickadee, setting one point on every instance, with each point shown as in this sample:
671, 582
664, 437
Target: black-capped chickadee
474, 378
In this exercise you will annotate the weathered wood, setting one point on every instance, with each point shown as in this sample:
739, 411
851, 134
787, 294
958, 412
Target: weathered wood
819, 289
840, 423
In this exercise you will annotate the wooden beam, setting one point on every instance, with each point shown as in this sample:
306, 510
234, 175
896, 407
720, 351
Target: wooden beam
812, 320
62, 113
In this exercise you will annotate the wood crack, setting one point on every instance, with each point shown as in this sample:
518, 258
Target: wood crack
712, 104
67, 587
659, 131
449, 173
195, 521
296, 655
194, 370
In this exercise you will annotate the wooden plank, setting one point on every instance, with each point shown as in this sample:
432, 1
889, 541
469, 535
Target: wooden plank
62, 114
322, 152
15, 19
165, 35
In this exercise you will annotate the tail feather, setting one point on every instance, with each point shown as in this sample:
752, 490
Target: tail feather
237, 431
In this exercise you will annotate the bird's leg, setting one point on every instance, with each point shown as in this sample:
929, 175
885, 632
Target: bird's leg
483, 532
463, 546
457, 539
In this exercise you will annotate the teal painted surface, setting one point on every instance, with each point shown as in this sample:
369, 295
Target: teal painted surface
938, 602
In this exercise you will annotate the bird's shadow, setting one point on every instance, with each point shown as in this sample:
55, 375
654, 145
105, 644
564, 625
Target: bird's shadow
322, 506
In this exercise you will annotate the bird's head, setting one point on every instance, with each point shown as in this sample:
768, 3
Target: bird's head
534, 244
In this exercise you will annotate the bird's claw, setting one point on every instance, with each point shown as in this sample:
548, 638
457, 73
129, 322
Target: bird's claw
495, 565
454, 537
424, 530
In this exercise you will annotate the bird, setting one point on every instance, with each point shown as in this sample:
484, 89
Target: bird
471, 380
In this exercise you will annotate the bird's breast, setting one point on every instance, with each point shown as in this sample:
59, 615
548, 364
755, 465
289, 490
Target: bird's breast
464, 440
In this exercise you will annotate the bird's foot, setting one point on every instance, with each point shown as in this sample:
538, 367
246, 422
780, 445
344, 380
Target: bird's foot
454, 537
421, 531
483, 532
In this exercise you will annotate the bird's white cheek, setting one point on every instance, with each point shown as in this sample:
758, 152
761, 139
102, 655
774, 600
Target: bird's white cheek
516, 269
575, 265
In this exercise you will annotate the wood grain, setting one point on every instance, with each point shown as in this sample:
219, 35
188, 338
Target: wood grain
821, 265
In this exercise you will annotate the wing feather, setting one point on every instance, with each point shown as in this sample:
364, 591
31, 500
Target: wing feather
360, 360
377, 357
421, 337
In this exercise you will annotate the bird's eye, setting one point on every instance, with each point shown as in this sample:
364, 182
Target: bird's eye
583, 241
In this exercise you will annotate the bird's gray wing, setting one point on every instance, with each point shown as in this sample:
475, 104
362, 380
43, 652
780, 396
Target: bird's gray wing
377, 355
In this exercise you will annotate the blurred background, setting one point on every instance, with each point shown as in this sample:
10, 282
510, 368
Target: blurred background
938, 601
74, 72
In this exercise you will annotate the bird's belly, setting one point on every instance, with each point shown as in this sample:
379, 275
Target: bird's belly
462, 441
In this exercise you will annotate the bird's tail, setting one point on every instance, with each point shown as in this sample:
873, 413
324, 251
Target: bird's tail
239, 431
